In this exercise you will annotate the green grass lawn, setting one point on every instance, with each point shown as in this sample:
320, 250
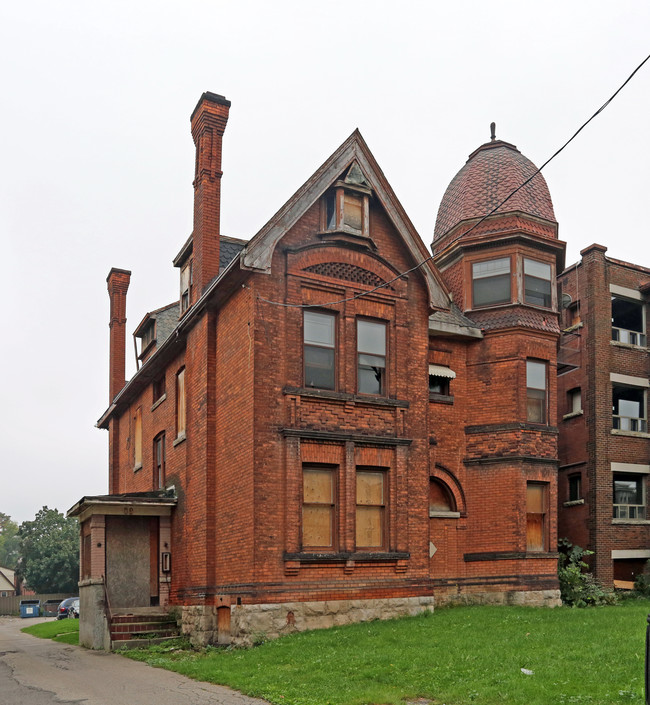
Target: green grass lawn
63, 630
461, 655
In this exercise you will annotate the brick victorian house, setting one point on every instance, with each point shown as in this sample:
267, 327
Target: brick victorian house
330, 425
604, 376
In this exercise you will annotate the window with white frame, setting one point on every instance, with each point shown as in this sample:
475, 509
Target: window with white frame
629, 408
537, 283
629, 496
536, 391
319, 349
628, 321
371, 357
491, 282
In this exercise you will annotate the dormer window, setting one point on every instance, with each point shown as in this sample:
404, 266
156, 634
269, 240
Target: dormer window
148, 338
346, 205
186, 285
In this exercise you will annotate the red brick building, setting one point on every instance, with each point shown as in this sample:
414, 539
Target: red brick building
603, 386
332, 425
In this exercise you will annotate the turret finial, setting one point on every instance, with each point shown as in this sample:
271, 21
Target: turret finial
493, 131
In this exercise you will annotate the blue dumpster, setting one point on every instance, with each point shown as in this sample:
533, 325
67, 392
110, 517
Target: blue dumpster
30, 608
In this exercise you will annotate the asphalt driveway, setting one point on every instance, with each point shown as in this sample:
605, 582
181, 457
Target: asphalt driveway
43, 672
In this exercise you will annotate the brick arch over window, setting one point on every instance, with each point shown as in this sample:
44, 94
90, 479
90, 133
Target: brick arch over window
449, 481
367, 269
347, 271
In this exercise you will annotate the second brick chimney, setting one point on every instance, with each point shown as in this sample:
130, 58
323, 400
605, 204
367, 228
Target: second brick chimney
208, 123
118, 284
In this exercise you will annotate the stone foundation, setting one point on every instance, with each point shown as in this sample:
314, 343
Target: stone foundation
251, 624
93, 626
525, 598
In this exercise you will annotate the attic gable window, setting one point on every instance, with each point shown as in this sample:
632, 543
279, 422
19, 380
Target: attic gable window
346, 206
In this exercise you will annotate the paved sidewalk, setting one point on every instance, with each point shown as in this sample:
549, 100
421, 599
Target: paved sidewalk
43, 672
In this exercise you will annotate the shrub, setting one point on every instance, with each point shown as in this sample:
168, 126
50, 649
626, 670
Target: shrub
577, 587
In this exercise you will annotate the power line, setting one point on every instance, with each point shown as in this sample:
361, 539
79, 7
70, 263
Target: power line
487, 215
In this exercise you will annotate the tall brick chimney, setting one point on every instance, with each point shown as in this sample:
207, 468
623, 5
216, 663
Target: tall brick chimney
208, 123
118, 284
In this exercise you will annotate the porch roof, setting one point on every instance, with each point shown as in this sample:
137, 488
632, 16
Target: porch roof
159, 503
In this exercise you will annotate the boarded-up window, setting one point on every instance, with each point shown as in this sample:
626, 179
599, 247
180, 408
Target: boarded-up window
180, 403
318, 508
371, 506
353, 211
536, 501
137, 443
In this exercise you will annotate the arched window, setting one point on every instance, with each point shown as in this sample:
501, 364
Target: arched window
441, 500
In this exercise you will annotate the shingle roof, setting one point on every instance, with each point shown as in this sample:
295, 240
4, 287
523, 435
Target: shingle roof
507, 317
492, 172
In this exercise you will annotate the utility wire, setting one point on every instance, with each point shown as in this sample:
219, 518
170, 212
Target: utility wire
487, 215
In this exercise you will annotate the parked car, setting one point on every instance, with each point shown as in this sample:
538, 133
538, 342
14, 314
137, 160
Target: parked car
64, 606
73, 609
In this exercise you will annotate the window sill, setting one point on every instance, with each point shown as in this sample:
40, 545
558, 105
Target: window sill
158, 402
630, 434
441, 398
628, 346
179, 439
137, 467
444, 515
325, 557
631, 521
573, 503
344, 397
573, 415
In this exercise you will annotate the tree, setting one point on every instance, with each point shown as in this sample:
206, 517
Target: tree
50, 552
9, 542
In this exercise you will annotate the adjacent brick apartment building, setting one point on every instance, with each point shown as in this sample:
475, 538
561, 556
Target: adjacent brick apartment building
604, 376
330, 424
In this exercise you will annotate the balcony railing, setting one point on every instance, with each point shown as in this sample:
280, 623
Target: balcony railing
629, 511
630, 337
629, 423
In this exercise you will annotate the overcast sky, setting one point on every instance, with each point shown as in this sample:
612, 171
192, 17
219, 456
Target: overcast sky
97, 159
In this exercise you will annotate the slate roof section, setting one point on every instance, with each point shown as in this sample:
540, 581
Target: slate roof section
521, 316
453, 323
229, 248
492, 172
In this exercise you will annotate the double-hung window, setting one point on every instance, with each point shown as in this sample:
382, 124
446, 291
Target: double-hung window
536, 508
537, 283
629, 408
181, 406
536, 391
371, 357
491, 282
628, 321
159, 461
629, 496
318, 507
319, 346
371, 509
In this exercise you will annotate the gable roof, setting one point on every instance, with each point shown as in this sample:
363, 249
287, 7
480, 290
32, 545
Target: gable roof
7, 579
258, 253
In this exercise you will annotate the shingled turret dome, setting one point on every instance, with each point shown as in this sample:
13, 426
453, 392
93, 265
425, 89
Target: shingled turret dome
493, 171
